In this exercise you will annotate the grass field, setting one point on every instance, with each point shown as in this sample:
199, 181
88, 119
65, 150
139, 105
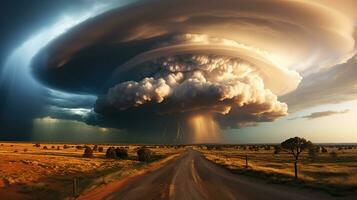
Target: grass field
29, 172
335, 173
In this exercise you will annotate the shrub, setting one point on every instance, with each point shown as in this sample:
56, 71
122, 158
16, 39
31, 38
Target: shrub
324, 150
277, 149
58, 148
53, 147
95, 148
144, 154
100, 149
218, 147
65, 146
121, 152
79, 147
318, 149
25, 149
209, 147
313, 152
88, 152
37, 145
333, 154
111, 153
44, 147
267, 148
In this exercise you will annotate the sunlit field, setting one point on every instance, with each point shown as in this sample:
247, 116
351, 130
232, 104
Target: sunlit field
49, 170
334, 171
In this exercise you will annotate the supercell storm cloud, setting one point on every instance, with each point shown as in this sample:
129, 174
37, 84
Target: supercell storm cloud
194, 66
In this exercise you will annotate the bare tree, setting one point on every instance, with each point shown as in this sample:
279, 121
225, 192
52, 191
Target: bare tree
295, 146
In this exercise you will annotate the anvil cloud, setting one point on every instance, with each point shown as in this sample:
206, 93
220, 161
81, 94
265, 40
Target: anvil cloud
156, 61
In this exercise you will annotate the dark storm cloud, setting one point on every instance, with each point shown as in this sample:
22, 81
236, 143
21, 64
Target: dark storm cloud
68, 100
117, 36
18, 104
153, 63
316, 115
334, 85
66, 113
21, 99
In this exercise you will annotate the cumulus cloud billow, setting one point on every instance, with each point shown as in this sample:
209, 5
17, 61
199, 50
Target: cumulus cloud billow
197, 83
156, 64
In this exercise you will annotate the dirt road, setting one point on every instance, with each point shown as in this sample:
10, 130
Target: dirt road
191, 176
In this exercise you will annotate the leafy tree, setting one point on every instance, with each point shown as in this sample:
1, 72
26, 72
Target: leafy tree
295, 146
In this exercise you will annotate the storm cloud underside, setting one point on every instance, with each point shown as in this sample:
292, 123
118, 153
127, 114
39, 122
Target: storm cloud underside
226, 62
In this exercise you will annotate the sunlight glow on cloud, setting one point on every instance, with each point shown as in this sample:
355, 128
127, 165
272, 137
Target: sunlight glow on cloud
233, 63
230, 60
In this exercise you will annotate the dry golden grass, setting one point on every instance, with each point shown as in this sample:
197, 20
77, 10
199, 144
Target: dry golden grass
335, 175
28, 172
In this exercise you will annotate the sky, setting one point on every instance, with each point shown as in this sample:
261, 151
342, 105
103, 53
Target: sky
122, 71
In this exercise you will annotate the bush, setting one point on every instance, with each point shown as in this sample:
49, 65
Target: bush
277, 149
144, 154
95, 148
100, 149
25, 149
44, 147
121, 152
58, 148
111, 153
333, 154
218, 147
37, 145
79, 147
267, 148
324, 150
65, 146
209, 147
313, 152
53, 147
88, 152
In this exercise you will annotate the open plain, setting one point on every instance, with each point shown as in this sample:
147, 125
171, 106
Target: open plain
59, 171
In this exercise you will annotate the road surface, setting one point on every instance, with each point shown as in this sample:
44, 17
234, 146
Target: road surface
191, 176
